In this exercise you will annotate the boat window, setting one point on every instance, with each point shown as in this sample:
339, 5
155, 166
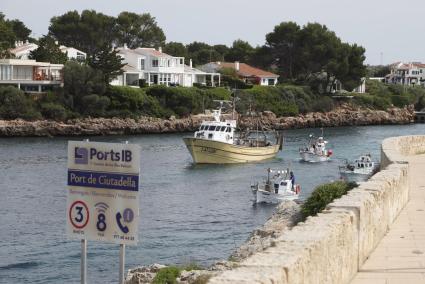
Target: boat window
202, 127
223, 128
212, 128
228, 129
283, 183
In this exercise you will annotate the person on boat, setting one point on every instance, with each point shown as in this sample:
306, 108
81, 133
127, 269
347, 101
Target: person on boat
292, 178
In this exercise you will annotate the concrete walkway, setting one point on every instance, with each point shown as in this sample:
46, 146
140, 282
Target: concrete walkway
400, 256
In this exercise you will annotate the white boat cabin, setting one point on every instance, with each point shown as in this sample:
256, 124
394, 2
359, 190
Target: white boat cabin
364, 162
222, 131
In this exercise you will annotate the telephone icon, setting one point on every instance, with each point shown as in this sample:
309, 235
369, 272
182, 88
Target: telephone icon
123, 228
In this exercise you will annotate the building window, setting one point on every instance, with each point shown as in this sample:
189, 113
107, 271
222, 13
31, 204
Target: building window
5, 72
181, 61
80, 56
271, 82
142, 64
154, 62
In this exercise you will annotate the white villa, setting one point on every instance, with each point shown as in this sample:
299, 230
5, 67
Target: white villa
412, 73
158, 68
22, 51
29, 75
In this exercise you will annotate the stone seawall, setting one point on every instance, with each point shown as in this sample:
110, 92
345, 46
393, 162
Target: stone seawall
342, 116
330, 247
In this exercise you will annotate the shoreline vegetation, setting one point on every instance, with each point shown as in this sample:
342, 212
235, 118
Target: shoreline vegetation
344, 115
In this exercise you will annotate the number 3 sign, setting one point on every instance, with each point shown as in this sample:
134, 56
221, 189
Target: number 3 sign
79, 214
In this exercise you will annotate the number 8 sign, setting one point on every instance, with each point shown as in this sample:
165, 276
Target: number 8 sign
79, 214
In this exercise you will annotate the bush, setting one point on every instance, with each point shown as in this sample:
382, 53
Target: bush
183, 101
167, 275
323, 195
14, 104
386, 94
53, 111
283, 100
94, 105
133, 102
323, 104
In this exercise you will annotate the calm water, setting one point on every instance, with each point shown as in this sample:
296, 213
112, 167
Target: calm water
188, 213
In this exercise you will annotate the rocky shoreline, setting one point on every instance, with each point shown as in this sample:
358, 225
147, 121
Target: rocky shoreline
286, 216
342, 116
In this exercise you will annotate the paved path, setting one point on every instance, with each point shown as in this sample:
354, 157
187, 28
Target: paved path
400, 256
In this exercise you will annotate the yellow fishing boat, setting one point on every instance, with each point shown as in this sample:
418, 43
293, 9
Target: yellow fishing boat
217, 142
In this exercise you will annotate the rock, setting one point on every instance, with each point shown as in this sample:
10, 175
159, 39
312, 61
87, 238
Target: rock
143, 274
344, 115
286, 216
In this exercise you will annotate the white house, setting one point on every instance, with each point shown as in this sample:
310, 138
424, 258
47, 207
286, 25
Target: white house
412, 73
73, 53
158, 68
245, 72
22, 50
29, 75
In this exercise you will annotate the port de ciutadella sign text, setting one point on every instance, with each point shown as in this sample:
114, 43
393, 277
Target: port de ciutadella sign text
103, 187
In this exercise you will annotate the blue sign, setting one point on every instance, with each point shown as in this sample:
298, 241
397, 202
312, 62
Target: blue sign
103, 180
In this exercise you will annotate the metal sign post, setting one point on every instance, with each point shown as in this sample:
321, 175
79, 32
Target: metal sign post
83, 261
122, 264
122, 258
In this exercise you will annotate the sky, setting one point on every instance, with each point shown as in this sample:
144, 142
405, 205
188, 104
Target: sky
389, 30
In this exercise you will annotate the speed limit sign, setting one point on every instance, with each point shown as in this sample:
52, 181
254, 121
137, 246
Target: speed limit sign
79, 214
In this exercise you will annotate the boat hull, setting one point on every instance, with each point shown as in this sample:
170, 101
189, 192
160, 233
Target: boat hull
206, 151
263, 196
313, 158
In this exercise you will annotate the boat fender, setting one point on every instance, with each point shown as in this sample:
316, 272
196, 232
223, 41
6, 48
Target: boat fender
297, 189
330, 152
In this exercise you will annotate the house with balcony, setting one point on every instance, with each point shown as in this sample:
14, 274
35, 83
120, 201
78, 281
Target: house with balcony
22, 50
157, 68
29, 75
411, 74
245, 72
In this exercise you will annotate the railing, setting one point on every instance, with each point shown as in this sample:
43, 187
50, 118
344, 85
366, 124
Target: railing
46, 77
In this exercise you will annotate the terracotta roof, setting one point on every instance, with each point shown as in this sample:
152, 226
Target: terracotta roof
247, 70
152, 51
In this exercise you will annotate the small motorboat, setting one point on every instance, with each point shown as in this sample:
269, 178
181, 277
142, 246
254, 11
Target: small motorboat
315, 151
359, 170
279, 187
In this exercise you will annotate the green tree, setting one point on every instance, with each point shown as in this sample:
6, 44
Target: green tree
21, 31
283, 44
222, 50
14, 104
108, 62
89, 32
93, 33
262, 57
80, 81
48, 51
175, 49
202, 53
7, 37
240, 51
138, 30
